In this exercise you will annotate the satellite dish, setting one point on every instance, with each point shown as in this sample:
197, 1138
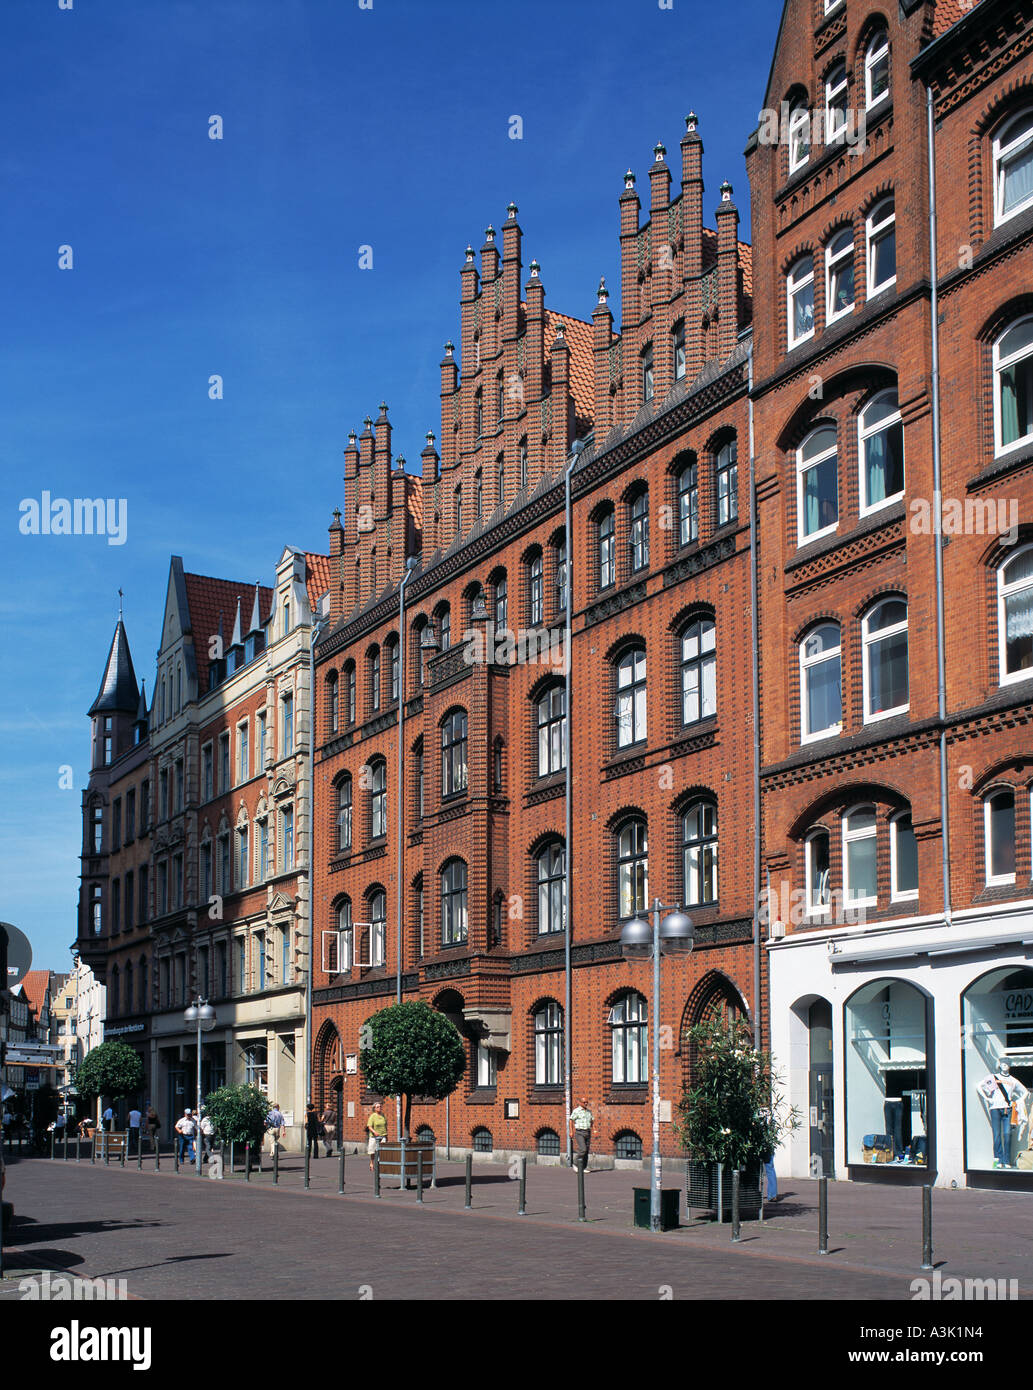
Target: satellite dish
18, 953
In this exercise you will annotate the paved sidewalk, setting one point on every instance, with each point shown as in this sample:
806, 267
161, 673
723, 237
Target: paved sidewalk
874, 1231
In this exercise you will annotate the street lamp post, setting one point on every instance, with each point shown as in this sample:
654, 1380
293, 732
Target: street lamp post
199, 1015
640, 941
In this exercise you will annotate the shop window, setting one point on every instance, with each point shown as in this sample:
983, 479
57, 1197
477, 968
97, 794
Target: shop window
888, 1100
997, 1064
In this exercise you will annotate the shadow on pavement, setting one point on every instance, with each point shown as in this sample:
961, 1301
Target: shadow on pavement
25, 1230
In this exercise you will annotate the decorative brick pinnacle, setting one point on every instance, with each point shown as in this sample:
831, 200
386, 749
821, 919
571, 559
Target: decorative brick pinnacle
659, 150
629, 180
512, 211
726, 192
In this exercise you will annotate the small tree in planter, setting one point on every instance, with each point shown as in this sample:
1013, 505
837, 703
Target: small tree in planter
238, 1114
113, 1069
734, 1112
411, 1050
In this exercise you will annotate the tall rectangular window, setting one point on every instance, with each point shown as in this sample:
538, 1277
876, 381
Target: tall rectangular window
224, 762
116, 824
243, 769
179, 784
261, 740
288, 725
287, 838
130, 815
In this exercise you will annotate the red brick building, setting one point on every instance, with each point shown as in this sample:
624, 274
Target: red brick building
662, 788
893, 387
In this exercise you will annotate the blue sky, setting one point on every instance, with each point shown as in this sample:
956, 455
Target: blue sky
342, 127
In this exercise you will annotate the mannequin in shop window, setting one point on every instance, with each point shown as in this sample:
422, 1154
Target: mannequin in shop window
1005, 1099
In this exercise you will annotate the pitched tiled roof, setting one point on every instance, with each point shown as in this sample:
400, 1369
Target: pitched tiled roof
34, 987
948, 12
317, 578
745, 258
207, 599
579, 336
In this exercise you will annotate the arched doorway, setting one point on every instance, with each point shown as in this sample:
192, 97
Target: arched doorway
714, 997
326, 1066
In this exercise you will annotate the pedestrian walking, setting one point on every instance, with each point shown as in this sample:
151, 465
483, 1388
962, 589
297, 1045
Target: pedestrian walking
376, 1128
581, 1119
328, 1132
313, 1125
153, 1126
207, 1130
107, 1120
134, 1130
185, 1127
274, 1123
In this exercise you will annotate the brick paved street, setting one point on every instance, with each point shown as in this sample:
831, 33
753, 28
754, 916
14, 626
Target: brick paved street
177, 1236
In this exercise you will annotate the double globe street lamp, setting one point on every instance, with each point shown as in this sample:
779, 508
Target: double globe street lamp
199, 1015
673, 936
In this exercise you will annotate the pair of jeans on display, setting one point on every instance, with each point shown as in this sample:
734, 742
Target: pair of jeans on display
1000, 1127
894, 1113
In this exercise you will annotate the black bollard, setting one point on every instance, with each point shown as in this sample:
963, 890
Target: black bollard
53, 1136
403, 1172
139, 1151
157, 1154
340, 1171
419, 1175
93, 1147
823, 1216
469, 1182
376, 1173
581, 1193
78, 1146
247, 1162
106, 1146
276, 1167
175, 1155
308, 1151
233, 1164
522, 1208
927, 1228
64, 1144
736, 1226
125, 1145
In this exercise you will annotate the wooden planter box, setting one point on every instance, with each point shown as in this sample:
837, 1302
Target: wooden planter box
391, 1161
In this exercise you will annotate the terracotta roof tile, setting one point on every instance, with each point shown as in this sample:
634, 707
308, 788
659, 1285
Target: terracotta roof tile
34, 987
317, 577
207, 599
580, 337
948, 12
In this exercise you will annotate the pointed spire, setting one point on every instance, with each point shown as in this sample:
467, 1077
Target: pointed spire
256, 615
141, 709
118, 691
237, 640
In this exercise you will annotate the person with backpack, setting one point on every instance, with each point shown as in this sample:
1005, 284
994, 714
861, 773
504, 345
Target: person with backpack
153, 1124
313, 1125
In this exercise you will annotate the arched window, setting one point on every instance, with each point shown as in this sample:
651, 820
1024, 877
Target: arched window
699, 852
344, 814
393, 665
377, 928
678, 349
374, 680
457, 507
333, 703
799, 135
839, 275
627, 1145
378, 800
443, 616
500, 482
1013, 166
547, 1144
630, 709
552, 908
860, 881
501, 604
726, 482
345, 936
548, 1045
880, 230
821, 709
999, 836
884, 635
698, 671
559, 569
881, 452
1015, 617
835, 102
482, 1140
478, 495
638, 532
535, 590
349, 692
647, 372
877, 70
800, 301
817, 484
688, 504
453, 753
552, 731
632, 868
630, 1036
454, 919
522, 461
607, 550
1013, 386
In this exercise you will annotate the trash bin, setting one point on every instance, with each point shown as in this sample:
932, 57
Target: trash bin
669, 1207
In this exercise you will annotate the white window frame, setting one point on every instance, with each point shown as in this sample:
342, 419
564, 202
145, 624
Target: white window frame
486, 1067
632, 698
1004, 590
868, 640
814, 908
831, 5
864, 433
799, 116
808, 663
875, 231
1000, 366
853, 837
832, 91
794, 284
803, 467
896, 894
878, 47
835, 261
1002, 153
992, 878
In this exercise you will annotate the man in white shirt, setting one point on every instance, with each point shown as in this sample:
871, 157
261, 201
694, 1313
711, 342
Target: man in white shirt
134, 1130
185, 1129
1001, 1091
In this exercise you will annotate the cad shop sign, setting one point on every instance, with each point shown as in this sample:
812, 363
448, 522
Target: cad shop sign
1018, 1003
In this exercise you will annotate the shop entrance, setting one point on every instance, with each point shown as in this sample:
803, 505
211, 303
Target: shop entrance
820, 1090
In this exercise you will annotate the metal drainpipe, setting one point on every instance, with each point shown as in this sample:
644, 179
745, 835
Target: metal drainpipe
756, 712
934, 332
410, 565
568, 804
317, 627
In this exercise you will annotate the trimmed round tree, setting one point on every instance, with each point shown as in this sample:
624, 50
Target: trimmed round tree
411, 1050
112, 1069
238, 1114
